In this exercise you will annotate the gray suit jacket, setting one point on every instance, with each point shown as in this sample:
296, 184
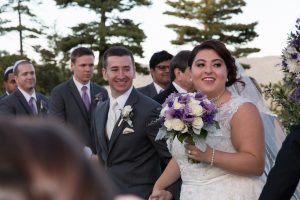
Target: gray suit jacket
148, 90
15, 104
67, 106
132, 160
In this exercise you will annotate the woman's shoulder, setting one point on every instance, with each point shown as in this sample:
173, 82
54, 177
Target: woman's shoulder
237, 104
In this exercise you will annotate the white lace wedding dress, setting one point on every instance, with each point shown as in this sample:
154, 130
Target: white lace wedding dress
202, 181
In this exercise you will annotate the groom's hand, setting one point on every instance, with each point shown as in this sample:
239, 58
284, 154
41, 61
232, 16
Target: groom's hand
161, 195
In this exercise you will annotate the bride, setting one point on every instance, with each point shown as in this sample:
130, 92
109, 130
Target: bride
232, 165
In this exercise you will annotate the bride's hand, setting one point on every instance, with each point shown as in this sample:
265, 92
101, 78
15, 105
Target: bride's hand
194, 153
160, 195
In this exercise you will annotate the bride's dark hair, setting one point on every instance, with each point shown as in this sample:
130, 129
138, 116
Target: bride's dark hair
223, 52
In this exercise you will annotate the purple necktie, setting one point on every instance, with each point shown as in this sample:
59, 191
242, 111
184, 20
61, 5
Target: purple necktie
32, 105
85, 97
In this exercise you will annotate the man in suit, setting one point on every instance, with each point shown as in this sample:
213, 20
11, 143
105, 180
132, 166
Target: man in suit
179, 75
159, 69
74, 100
25, 100
127, 147
285, 175
9, 82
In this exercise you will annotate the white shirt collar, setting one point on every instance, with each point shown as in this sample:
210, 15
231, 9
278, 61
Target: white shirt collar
157, 88
28, 96
79, 86
123, 98
178, 88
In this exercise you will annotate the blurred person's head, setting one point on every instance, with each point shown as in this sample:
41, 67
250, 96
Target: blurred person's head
118, 69
180, 72
25, 75
9, 82
159, 68
47, 157
82, 64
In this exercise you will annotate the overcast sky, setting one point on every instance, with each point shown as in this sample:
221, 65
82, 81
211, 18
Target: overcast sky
276, 19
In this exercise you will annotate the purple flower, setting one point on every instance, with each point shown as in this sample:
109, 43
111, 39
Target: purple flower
187, 116
295, 95
178, 113
209, 107
294, 56
199, 96
184, 99
208, 118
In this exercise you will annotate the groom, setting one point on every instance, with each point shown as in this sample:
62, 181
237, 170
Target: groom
284, 177
127, 147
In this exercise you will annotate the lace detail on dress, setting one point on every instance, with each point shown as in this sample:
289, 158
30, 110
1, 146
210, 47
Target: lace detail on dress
202, 181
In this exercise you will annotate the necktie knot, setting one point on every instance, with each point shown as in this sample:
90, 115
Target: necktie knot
84, 88
85, 97
114, 104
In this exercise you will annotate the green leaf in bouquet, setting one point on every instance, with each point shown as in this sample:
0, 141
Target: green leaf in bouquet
203, 133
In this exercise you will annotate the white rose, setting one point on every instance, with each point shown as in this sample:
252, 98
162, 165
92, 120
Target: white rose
126, 111
168, 124
196, 109
163, 110
176, 104
197, 123
177, 125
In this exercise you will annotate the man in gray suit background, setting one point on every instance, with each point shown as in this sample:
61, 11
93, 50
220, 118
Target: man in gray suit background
180, 77
24, 101
124, 129
74, 100
9, 82
159, 69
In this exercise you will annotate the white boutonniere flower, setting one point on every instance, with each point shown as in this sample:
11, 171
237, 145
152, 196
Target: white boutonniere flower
126, 115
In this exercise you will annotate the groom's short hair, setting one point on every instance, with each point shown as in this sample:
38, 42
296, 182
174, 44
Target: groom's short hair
116, 51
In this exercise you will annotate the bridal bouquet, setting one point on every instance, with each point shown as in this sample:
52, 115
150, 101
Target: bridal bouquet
187, 116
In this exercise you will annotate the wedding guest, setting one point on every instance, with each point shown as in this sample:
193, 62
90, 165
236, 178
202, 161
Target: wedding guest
40, 159
25, 100
231, 165
180, 76
9, 82
159, 69
74, 101
125, 136
284, 177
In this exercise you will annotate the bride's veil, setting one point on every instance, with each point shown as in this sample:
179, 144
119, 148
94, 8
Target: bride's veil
274, 132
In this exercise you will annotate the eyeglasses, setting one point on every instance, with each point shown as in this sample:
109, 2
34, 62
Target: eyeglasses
12, 81
162, 67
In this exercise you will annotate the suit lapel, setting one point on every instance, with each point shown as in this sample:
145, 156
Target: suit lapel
78, 100
132, 99
23, 102
101, 125
153, 91
93, 95
42, 105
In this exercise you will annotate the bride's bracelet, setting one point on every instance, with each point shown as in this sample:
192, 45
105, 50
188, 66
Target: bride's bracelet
212, 157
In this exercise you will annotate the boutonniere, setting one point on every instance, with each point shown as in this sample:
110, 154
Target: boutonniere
43, 105
98, 98
126, 115
127, 131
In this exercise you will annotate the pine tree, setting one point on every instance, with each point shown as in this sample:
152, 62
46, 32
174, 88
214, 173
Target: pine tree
109, 30
24, 14
212, 19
